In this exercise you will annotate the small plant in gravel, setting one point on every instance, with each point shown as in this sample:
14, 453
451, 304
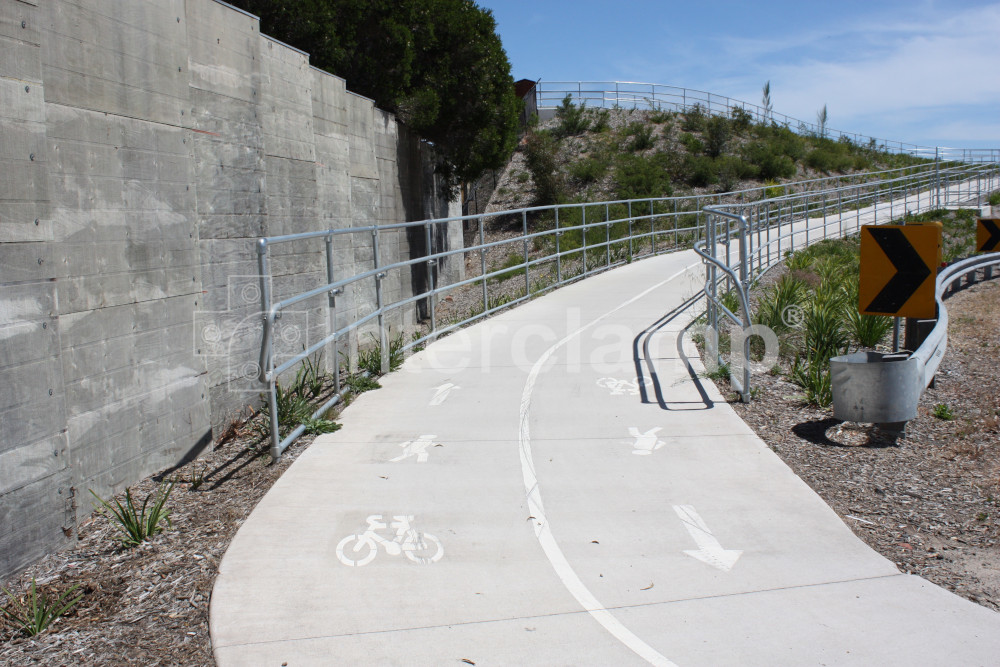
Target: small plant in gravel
370, 359
359, 383
138, 523
995, 198
943, 412
37, 611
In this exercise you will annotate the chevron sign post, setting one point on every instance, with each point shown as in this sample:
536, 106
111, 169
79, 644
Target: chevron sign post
988, 235
899, 270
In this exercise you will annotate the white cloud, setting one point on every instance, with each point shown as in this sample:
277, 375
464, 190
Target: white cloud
910, 68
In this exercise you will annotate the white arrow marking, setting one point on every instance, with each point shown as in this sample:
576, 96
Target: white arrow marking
645, 443
709, 550
441, 395
417, 448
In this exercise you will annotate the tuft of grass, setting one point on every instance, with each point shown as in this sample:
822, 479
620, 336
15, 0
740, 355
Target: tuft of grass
359, 383
310, 378
995, 198
370, 359
37, 611
943, 412
722, 372
138, 523
320, 426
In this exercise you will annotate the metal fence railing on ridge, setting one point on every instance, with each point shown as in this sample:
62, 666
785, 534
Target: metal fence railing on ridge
562, 244
638, 95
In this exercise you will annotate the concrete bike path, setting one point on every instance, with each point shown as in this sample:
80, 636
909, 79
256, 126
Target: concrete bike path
542, 505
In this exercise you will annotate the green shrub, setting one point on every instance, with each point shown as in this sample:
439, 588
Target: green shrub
742, 120
540, 154
137, 524
995, 198
776, 307
694, 119
602, 121
717, 135
827, 161
868, 330
640, 177
37, 611
573, 119
642, 136
770, 162
660, 116
700, 170
588, 170
692, 144
813, 376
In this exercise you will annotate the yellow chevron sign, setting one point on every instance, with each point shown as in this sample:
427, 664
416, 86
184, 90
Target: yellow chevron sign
899, 270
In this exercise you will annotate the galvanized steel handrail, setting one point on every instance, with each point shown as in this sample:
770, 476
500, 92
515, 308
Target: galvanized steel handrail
654, 225
793, 217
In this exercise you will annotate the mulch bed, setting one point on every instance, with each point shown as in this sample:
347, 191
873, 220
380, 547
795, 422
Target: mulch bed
149, 605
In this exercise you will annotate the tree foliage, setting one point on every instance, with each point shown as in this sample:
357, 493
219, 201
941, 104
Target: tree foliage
437, 64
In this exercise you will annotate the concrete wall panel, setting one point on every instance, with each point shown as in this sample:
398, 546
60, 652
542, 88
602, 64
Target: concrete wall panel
145, 146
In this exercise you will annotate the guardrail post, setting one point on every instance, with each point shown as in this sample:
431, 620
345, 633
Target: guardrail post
583, 231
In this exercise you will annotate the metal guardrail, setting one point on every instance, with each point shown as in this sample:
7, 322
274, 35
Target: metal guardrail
655, 96
885, 389
571, 241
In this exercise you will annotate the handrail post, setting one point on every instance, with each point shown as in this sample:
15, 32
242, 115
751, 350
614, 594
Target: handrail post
527, 277
558, 251
383, 338
267, 371
583, 231
482, 263
332, 312
431, 275
630, 246
607, 233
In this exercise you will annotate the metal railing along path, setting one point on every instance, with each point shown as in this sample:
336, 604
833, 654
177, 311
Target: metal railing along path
562, 244
764, 232
655, 96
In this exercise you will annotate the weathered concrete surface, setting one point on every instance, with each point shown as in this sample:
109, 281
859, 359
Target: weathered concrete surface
145, 145
580, 521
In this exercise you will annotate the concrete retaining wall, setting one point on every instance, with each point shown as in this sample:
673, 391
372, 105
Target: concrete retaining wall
145, 145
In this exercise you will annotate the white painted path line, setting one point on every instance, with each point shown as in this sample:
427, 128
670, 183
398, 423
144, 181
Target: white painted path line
548, 543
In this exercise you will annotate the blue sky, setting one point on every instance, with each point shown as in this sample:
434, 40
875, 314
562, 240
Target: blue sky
921, 71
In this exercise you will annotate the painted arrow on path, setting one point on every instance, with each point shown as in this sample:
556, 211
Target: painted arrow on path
709, 550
